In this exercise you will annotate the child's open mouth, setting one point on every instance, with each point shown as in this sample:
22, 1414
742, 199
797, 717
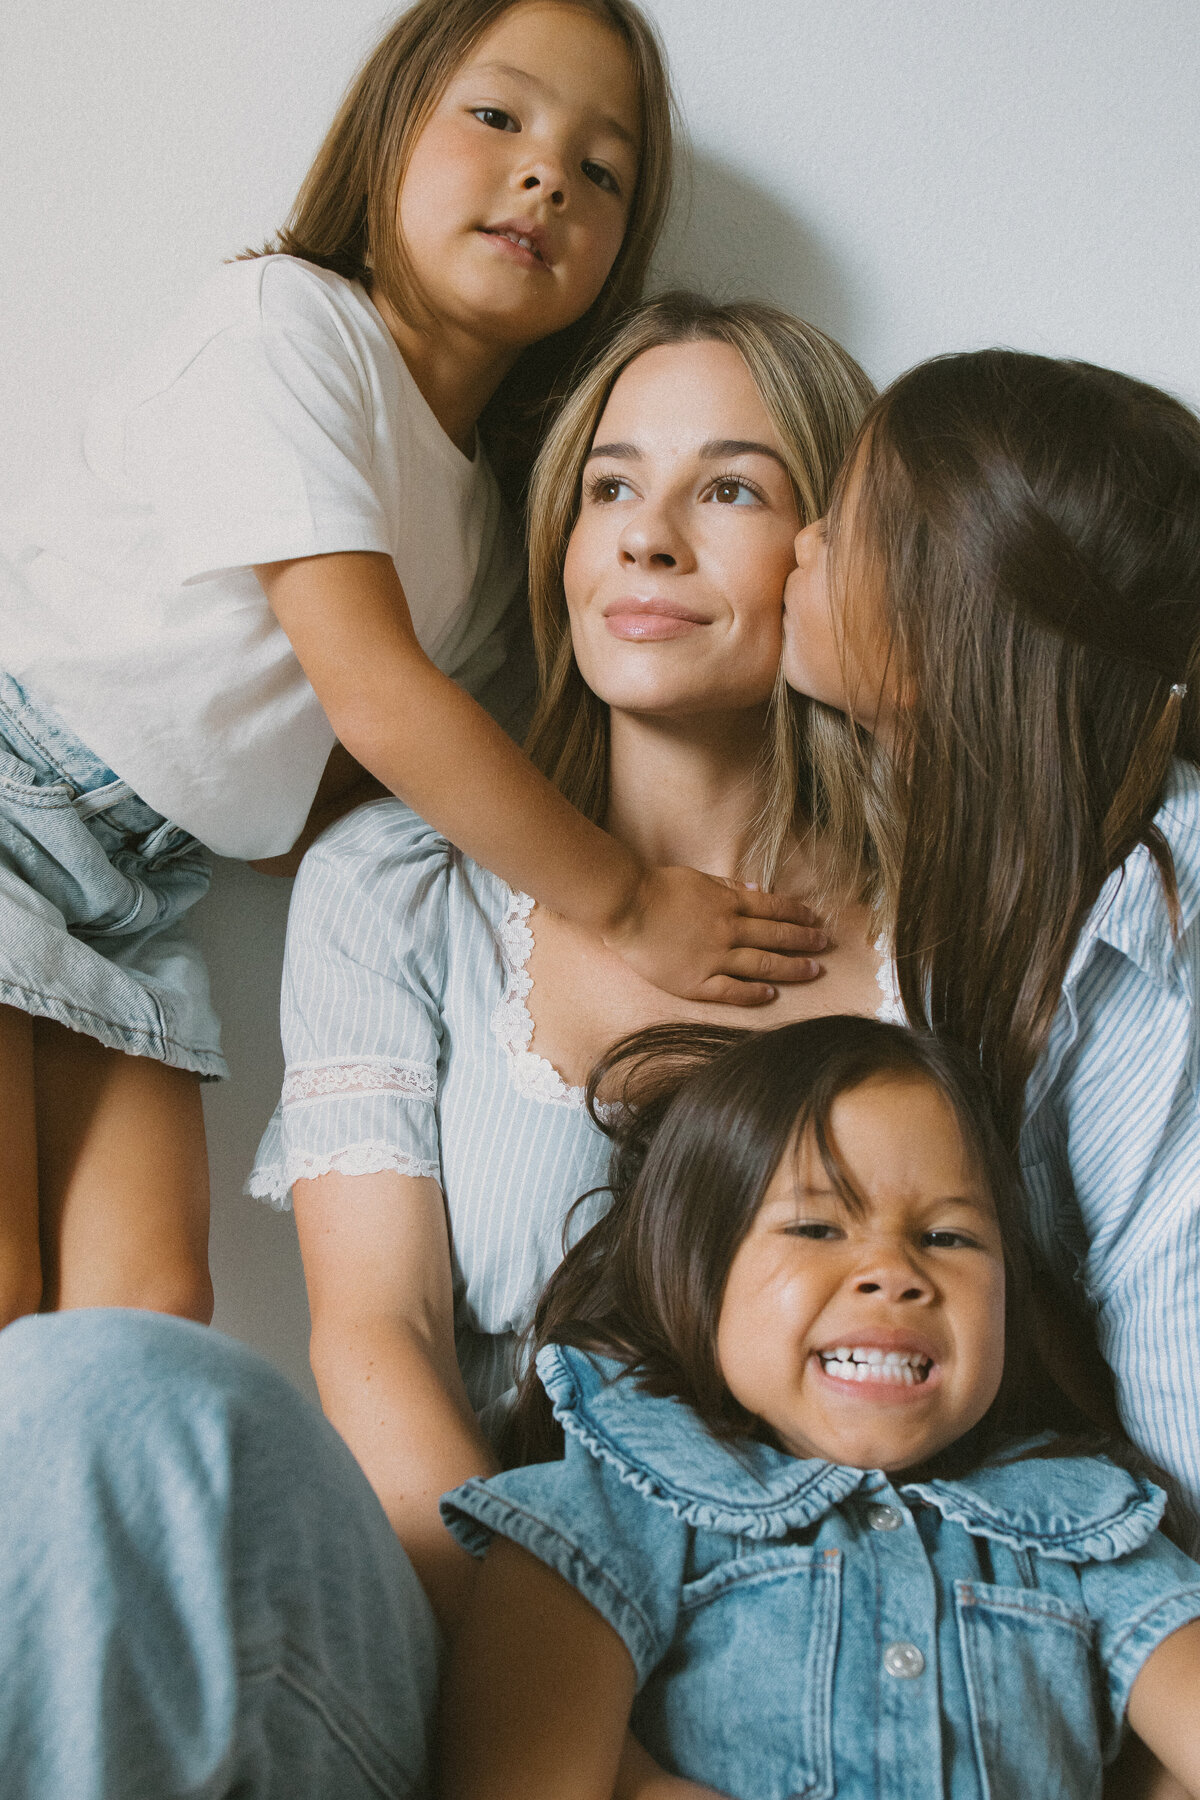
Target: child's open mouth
907, 1368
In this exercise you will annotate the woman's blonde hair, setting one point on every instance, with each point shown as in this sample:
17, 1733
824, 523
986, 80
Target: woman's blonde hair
815, 395
345, 215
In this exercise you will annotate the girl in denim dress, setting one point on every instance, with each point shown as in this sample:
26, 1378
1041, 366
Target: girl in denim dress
820, 1523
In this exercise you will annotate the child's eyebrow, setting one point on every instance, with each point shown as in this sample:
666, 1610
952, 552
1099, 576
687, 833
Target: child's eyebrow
604, 120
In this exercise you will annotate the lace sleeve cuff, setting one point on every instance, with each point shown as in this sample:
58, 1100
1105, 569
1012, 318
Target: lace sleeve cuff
354, 1117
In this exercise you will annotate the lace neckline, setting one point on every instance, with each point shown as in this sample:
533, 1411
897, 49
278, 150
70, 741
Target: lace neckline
512, 1023
536, 1078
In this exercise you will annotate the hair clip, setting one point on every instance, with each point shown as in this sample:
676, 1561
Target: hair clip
1179, 689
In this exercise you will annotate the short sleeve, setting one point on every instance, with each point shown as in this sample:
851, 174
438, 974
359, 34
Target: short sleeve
361, 1004
1136, 1602
623, 1553
258, 444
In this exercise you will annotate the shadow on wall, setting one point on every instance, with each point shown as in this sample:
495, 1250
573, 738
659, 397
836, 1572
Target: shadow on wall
731, 239
253, 1250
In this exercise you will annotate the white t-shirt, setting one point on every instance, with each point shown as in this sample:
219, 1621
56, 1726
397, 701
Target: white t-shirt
275, 419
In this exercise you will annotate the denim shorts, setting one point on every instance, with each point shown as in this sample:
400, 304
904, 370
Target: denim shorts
93, 884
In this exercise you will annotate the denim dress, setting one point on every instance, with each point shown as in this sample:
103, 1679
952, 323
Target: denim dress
798, 1628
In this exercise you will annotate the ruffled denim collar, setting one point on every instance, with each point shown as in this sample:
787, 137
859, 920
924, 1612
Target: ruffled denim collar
1071, 1509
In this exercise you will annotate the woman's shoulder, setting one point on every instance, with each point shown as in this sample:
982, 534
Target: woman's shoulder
385, 859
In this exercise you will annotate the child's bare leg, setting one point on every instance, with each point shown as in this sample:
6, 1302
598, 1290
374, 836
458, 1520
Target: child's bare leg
20, 1258
123, 1178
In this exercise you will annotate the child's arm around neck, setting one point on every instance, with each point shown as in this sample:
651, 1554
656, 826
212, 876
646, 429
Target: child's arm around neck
427, 741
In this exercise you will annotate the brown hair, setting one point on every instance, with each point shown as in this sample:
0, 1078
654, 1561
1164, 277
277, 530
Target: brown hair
707, 1114
1036, 527
814, 394
345, 215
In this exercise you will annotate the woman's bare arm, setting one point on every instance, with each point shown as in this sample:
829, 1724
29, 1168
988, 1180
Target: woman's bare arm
537, 1696
377, 1263
538, 1690
1164, 1705
417, 732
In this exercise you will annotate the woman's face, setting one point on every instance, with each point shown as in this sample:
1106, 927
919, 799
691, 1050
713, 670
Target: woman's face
835, 637
674, 572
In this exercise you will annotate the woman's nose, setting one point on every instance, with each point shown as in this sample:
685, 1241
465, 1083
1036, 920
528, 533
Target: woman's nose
650, 540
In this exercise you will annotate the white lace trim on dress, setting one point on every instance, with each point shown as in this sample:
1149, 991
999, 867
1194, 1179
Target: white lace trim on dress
366, 1075
533, 1077
273, 1183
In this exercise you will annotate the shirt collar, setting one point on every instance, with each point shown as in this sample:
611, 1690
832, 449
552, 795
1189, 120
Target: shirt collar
1069, 1508
1131, 913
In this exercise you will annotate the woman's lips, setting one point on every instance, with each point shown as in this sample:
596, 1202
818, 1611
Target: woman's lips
650, 621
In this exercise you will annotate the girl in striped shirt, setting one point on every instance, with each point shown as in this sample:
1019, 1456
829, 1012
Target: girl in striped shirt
1005, 595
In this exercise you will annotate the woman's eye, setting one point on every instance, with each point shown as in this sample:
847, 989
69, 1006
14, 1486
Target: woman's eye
496, 117
601, 177
605, 488
731, 491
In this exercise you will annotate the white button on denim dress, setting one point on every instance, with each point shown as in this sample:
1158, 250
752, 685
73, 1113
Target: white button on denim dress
789, 1640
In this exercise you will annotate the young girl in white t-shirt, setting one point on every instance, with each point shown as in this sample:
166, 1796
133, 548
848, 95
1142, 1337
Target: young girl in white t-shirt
276, 563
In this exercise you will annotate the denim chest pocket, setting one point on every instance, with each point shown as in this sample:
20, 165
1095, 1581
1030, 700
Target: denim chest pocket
1033, 1688
763, 1625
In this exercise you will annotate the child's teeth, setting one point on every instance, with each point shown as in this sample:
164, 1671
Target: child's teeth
851, 1362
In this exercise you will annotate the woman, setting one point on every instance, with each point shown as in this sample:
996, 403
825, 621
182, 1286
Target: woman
1006, 595
436, 1028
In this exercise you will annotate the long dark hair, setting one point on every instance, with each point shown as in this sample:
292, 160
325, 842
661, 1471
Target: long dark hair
705, 1115
1035, 527
345, 215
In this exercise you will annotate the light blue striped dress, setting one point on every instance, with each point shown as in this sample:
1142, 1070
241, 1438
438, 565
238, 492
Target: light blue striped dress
406, 1036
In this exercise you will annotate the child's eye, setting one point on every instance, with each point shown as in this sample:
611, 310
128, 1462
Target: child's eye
606, 488
601, 177
816, 1230
949, 1240
733, 490
496, 117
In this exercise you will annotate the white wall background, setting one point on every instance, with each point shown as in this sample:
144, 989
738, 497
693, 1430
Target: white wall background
913, 175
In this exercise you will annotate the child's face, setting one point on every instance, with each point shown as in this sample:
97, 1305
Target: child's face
677, 560
535, 137
872, 1341
835, 641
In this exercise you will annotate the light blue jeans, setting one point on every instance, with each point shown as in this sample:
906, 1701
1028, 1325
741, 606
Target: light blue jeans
199, 1593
